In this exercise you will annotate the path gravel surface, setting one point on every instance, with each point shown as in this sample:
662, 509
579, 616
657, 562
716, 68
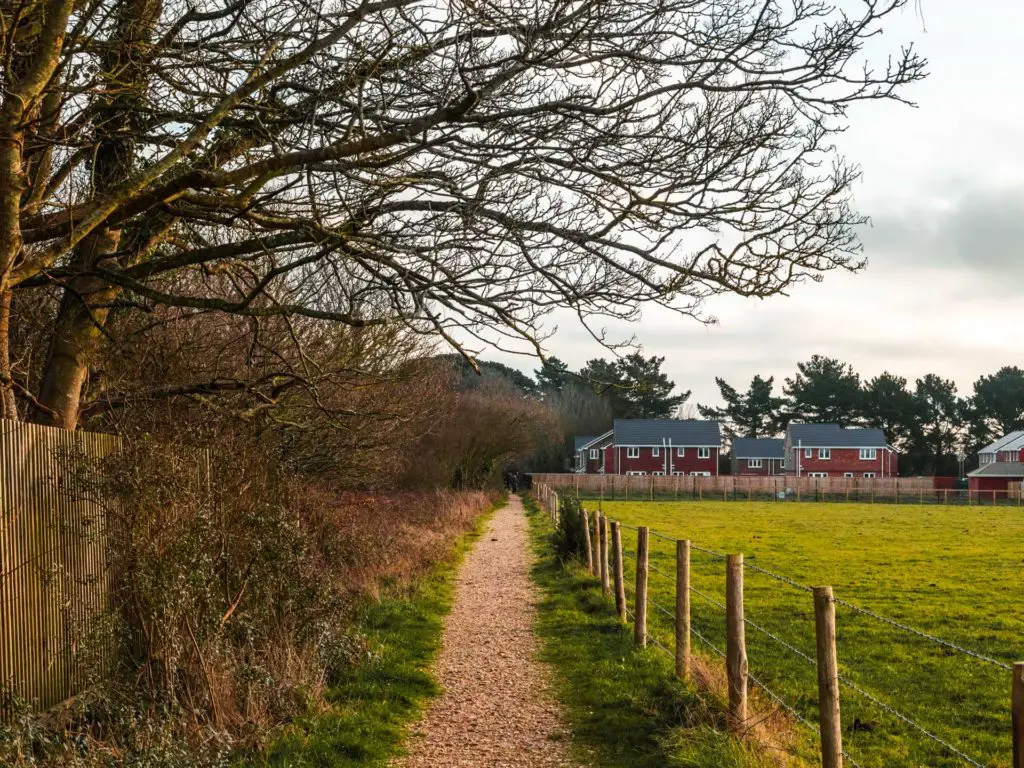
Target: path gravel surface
496, 710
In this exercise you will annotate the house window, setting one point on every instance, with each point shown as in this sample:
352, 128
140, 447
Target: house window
847, 474
824, 453
680, 452
868, 454
817, 474
700, 474
754, 464
703, 453
679, 474
658, 474
807, 453
655, 452
636, 473
633, 453
869, 474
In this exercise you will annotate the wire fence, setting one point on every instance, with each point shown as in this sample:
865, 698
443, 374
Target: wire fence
803, 629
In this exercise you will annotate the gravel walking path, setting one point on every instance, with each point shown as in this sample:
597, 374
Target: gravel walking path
497, 710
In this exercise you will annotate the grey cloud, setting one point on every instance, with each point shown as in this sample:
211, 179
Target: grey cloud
981, 232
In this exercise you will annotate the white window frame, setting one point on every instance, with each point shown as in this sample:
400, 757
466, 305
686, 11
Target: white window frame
658, 474
680, 452
678, 474
636, 473
703, 453
847, 474
655, 452
808, 453
868, 454
817, 474
825, 454
869, 475
700, 474
632, 452
755, 463
595, 453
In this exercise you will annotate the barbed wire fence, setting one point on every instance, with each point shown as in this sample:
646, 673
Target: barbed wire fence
824, 732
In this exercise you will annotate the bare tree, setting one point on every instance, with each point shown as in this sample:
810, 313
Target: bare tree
458, 166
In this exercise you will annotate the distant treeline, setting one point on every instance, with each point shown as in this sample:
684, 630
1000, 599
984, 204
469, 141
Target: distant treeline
927, 420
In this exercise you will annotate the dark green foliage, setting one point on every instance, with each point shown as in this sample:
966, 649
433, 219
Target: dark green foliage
940, 430
825, 390
635, 386
998, 402
893, 408
489, 372
568, 538
553, 375
755, 413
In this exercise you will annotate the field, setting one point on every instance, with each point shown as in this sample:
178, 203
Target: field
953, 572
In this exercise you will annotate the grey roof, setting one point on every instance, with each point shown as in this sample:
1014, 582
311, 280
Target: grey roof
758, 448
999, 469
683, 432
586, 442
582, 440
1012, 441
834, 436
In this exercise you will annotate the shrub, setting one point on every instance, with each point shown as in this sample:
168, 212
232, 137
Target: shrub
568, 537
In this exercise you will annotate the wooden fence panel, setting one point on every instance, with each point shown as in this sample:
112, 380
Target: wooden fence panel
741, 486
53, 564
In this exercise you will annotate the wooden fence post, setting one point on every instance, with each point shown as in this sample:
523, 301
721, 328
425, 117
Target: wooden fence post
683, 609
640, 609
1017, 697
735, 645
828, 679
596, 544
604, 556
586, 541
620, 582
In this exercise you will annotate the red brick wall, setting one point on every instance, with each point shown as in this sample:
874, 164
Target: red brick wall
649, 463
989, 483
845, 460
768, 467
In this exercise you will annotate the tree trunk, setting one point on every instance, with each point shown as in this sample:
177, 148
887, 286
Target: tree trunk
77, 336
79, 328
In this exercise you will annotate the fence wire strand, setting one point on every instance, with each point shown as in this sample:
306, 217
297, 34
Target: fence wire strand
900, 716
925, 635
708, 598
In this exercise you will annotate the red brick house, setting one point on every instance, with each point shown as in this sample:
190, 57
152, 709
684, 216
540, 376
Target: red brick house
757, 456
652, 447
999, 464
828, 450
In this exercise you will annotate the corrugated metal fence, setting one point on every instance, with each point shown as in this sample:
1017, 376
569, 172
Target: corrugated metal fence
53, 564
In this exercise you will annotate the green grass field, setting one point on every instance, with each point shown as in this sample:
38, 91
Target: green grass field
952, 572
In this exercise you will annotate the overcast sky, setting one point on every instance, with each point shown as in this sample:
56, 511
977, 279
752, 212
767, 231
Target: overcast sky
944, 185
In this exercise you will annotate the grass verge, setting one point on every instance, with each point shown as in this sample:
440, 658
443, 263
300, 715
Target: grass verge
626, 707
373, 703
